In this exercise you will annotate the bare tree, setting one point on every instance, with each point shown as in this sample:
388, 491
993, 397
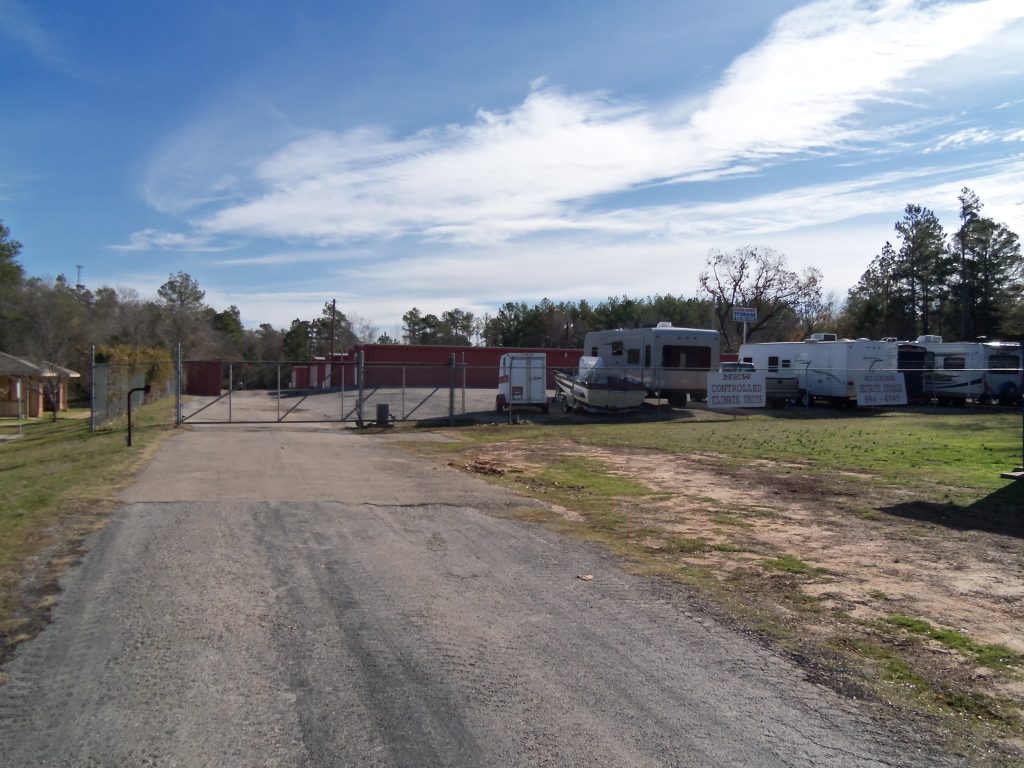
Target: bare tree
757, 277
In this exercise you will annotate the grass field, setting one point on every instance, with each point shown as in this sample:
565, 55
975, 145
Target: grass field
58, 481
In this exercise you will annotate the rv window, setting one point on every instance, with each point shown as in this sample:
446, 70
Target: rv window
633, 357
785, 363
954, 363
1003, 362
593, 351
929, 359
747, 360
647, 356
616, 349
773, 363
698, 358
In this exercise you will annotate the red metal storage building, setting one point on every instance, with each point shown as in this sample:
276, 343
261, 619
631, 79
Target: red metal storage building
422, 365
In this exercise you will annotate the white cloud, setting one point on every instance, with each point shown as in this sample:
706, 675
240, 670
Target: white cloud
573, 195
18, 26
537, 168
154, 240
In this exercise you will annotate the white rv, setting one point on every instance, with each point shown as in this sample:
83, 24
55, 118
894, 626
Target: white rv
953, 370
672, 362
958, 371
1003, 374
824, 369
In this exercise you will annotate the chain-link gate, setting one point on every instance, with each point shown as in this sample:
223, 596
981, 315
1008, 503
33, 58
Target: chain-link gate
219, 392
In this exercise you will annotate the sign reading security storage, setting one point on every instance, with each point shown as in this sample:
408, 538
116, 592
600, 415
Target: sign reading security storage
882, 388
736, 389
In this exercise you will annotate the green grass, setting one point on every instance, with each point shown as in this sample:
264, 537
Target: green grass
59, 465
920, 448
792, 564
993, 656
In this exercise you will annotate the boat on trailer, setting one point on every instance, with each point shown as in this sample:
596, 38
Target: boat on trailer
597, 389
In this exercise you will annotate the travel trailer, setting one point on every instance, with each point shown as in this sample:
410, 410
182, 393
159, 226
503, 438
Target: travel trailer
825, 370
671, 362
958, 371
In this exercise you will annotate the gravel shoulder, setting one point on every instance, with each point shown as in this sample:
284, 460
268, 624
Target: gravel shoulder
309, 596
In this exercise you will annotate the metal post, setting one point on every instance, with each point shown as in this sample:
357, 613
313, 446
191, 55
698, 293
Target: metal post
451, 390
177, 387
343, 385
231, 388
463, 383
278, 391
403, 393
92, 388
130, 425
361, 372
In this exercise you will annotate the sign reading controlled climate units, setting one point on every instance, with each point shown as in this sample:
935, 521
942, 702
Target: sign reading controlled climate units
881, 388
742, 389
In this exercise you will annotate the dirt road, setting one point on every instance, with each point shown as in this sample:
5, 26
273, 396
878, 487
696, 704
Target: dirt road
306, 596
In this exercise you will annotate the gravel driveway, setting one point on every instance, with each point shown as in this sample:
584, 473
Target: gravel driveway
301, 596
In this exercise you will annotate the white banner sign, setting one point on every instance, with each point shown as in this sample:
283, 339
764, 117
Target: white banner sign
744, 389
883, 388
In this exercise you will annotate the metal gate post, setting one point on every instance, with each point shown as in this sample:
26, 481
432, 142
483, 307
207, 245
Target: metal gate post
342, 416
278, 391
92, 389
177, 387
463, 383
451, 390
231, 388
403, 393
361, 361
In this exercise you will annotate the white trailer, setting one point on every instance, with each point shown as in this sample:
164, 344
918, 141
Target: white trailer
522, 378
1003, 375
672, 362
958, 371
826, 370
954, 371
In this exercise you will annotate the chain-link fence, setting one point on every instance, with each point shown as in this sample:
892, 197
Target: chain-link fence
216, 392
111, 383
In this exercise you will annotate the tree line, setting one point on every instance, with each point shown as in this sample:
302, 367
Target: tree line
962, 285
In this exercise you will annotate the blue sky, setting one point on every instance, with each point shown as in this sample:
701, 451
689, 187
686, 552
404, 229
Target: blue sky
460, 154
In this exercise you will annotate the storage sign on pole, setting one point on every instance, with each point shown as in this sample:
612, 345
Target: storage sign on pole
744, 315
880, 387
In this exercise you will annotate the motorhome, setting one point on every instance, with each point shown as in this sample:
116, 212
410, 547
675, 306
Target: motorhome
672, 362
826, 370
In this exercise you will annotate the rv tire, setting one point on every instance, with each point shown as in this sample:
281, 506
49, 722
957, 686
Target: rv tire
677, 399
1008, 394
